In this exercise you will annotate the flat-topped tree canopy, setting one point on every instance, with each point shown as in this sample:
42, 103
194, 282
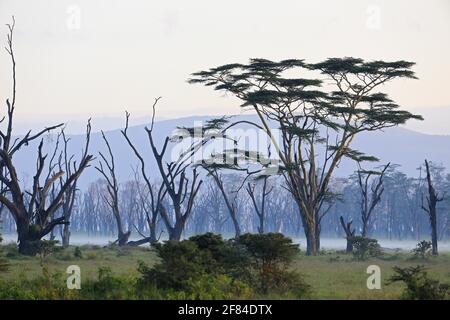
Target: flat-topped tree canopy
262, 84
322, 104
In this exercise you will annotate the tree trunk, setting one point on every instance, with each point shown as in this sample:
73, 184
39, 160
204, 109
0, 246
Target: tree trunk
65, 236
123, 238
434, 237
176, 232
237, 228
349, 233
364, 229
312, 248
261, 224
432, 200
28, 242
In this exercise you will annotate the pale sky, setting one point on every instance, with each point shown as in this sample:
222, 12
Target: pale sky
77, 59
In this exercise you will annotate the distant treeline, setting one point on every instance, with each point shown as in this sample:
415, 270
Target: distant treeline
398, 215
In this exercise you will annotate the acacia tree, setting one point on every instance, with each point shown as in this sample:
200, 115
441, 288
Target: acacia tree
312, 118
32, 210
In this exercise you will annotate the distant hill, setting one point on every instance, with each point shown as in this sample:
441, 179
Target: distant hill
397, 145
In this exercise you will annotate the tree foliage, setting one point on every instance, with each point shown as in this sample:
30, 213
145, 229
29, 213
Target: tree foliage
313, 114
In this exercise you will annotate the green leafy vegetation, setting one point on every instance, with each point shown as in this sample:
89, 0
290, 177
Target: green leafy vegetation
106, 274
258, 261
418, 285
364, 248
422, 250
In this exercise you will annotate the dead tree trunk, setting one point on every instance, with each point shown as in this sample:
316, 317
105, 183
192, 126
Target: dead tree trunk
112, 187
69, 197
349, 233
371, 192
230, 202
180, 186
150, 203
34, 215
260, 211
430, 209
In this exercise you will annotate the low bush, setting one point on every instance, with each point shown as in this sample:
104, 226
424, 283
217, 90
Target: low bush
260, 262
422, 250
78, 253
271, 255
418, 285
364, 248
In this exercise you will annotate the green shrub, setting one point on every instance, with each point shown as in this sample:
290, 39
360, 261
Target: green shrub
422, 250
190, 269
271, 255
225, 257
78, 253
180, 262
418, 285
364, 248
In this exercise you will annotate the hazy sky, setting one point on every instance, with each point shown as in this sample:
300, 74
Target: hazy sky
99, 57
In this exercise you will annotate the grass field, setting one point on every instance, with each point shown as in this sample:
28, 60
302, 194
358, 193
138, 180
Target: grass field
332, 275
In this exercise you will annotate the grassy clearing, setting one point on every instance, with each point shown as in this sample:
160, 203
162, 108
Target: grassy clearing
338, 276
122, 261
332, 275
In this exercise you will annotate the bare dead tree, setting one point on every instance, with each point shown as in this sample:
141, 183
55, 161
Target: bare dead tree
180, 186
260, 209
152, 201
229, 197
432, 200
31, 209
371, 192
107, 168
149, 210
349, 233
68, 163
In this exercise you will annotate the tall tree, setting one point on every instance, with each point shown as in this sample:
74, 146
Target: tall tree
32, 211
371, 192
155, 193
430, 208
312, 119
260, 209
107, 169
179, 183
